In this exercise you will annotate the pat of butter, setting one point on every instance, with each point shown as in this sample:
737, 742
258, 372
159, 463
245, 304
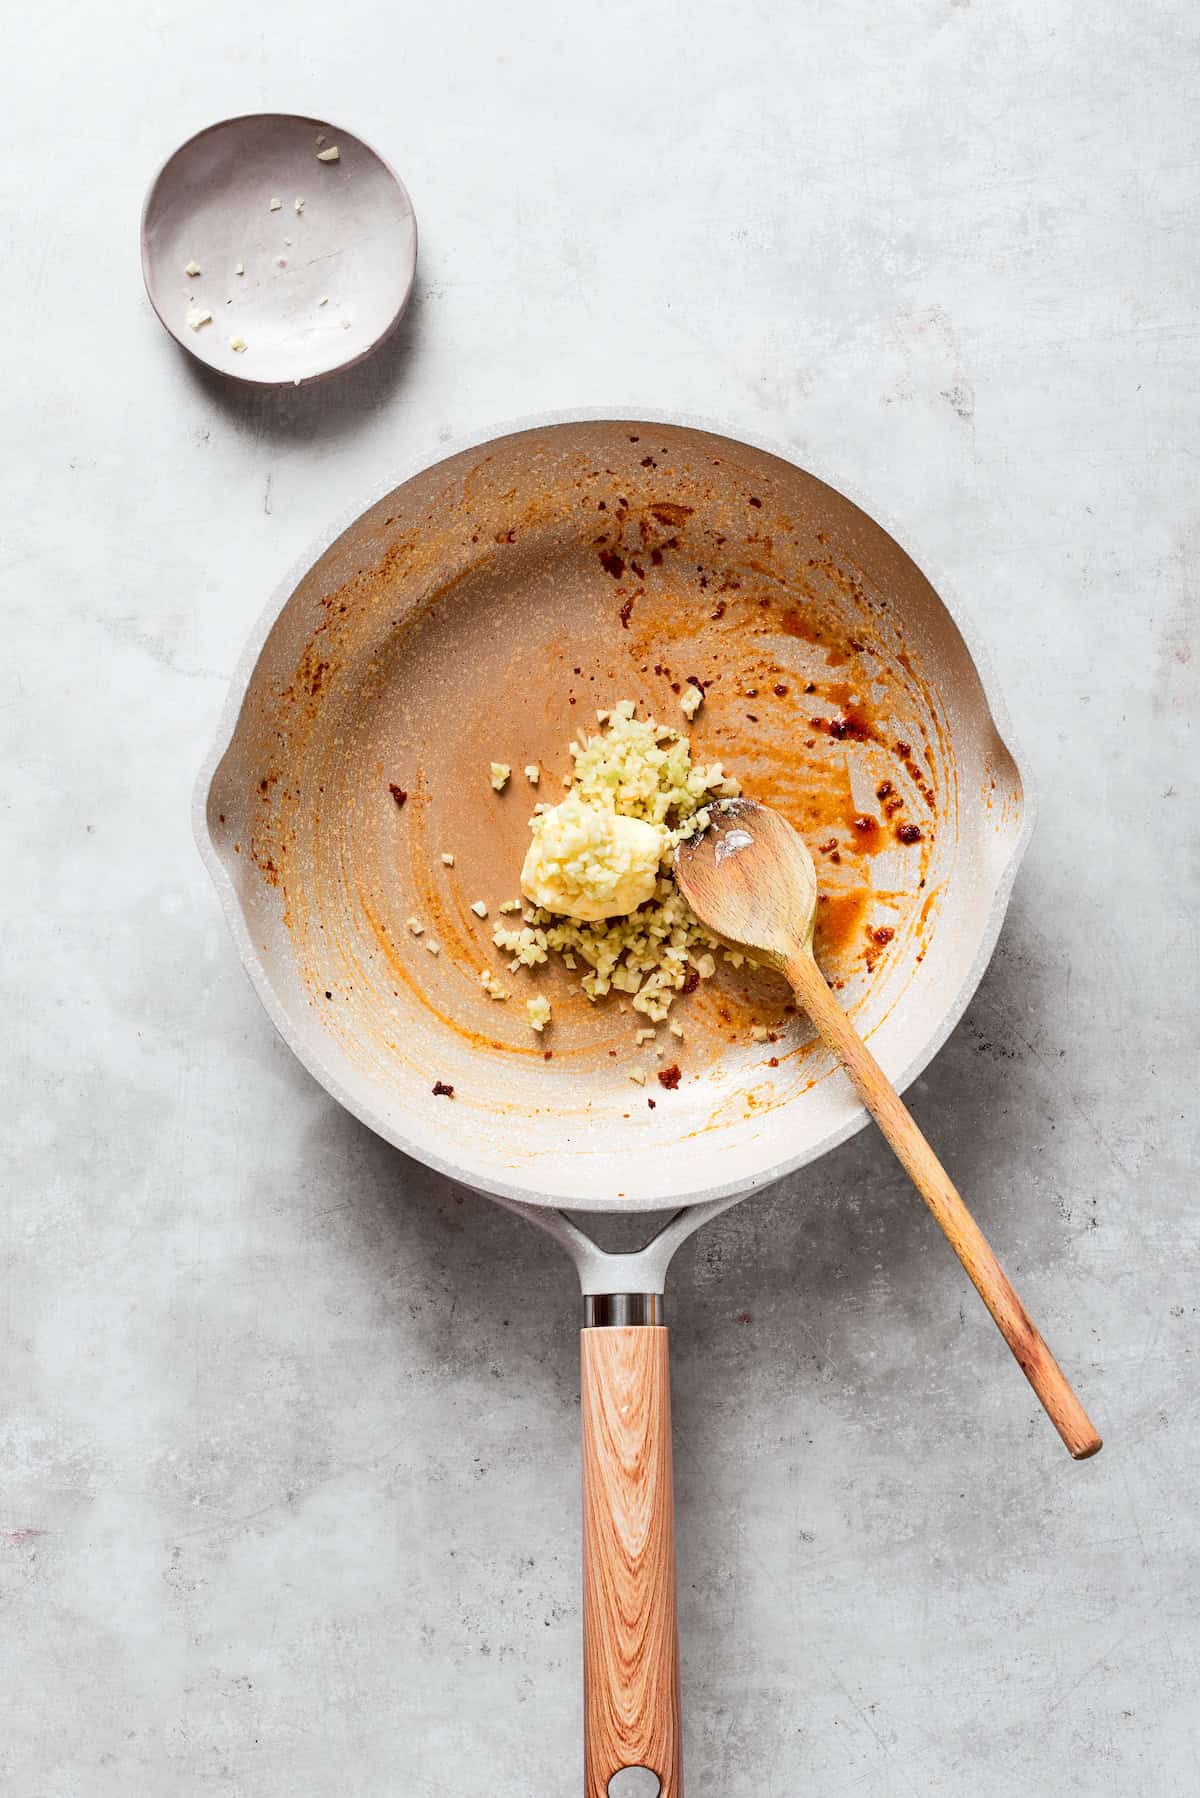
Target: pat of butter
587, 862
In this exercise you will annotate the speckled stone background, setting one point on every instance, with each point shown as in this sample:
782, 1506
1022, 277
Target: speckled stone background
288, 1498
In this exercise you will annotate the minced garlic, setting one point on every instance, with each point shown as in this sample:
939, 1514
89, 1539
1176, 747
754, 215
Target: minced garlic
199, 315
538, 1011
491, 986
500, 775
598, 896
691, 699
480, 908
533, 773
527, 946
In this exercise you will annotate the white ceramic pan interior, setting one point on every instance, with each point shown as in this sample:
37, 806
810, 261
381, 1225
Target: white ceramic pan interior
441, 630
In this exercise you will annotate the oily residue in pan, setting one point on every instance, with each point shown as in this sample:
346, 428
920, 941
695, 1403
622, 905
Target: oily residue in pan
491, 625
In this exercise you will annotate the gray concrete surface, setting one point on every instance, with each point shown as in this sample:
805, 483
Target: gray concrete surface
289, 1426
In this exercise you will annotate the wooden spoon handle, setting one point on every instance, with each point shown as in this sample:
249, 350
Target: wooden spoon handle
936, 1188
630, 1634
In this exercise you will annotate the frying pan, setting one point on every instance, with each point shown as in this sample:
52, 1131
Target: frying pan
483, 609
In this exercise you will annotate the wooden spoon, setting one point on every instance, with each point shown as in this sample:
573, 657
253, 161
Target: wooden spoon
751, 880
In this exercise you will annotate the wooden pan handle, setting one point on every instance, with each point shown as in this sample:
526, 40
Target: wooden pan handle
630, 1634
939, 1193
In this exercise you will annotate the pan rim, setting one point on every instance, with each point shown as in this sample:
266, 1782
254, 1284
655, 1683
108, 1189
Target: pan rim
495, 1185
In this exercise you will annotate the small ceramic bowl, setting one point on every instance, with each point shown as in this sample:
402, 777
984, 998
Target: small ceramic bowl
304, 258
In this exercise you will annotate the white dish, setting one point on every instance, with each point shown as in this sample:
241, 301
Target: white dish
297, 289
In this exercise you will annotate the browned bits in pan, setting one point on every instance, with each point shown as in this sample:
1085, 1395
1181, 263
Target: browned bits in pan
442, 1091
718, 610
827, 848
611, 563
779, 690
909, 833
691, 981
884, 790
626, 613
398, 794
883, 934
669, 1077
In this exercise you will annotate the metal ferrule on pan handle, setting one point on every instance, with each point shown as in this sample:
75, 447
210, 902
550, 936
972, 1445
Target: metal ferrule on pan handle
622, 1310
